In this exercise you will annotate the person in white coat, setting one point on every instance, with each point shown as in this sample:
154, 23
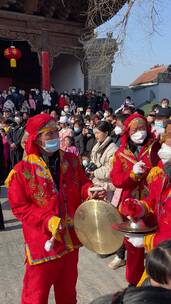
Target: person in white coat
102, 156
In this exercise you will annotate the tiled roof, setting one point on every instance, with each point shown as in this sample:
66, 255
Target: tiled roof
149, 76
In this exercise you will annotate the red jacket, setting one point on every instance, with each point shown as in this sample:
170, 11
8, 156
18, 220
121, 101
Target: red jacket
34, 200
159, 203
62, 103
122, 175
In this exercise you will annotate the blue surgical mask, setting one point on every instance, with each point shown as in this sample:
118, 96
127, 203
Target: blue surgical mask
77, 130
52, 145
159, 124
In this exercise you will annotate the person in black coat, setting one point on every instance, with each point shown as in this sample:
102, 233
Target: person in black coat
99, 99
39, 101
81, 101
14, 138
78, 137
2, 176
54, 98
89, 140
93, 102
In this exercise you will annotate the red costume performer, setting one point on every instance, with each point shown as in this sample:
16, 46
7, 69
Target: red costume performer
42, 207
156, 208
132, 163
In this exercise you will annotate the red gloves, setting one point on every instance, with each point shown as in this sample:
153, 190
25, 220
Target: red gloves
132, 208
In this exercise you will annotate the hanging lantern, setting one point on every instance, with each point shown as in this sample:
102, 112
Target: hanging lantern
13, 55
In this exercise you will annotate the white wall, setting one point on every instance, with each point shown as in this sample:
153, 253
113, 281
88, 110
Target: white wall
139, 96
149, 93
66, 73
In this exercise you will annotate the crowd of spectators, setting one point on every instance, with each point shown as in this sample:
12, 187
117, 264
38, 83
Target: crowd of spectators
91, 129
77, 114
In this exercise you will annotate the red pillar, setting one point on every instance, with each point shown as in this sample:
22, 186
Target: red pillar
45, 71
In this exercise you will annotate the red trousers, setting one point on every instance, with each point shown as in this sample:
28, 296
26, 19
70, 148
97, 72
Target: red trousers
134, 263
61, 273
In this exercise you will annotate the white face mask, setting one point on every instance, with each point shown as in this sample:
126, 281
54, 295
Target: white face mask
85, 163
165, 153
88, 113
164, 105
105, 115
17, 119
139, 137
66, 110
118, 130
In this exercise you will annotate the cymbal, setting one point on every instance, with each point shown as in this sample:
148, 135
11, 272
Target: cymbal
138, 227
93, 225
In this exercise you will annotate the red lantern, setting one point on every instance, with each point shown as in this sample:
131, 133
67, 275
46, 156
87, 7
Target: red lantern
13, 55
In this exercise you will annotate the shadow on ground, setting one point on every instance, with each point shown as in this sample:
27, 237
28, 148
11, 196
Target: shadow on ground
10, 221
15, 227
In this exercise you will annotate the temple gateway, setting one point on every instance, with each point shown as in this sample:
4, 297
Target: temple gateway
48, 35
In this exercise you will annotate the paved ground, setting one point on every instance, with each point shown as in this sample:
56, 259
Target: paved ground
95, 278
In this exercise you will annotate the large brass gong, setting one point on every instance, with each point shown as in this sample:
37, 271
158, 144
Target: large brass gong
93, 225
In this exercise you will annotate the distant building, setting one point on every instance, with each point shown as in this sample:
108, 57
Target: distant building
152, 85
50, 36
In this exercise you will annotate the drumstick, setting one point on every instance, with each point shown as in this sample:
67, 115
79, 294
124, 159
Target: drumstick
133, 161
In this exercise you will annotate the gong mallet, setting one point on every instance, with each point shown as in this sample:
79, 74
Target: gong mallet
50, 243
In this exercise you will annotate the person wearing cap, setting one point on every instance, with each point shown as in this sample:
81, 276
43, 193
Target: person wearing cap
64, 132
156, 208
162, 114
132, 162
44, 191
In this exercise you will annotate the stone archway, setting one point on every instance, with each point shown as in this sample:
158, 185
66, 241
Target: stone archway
66, 73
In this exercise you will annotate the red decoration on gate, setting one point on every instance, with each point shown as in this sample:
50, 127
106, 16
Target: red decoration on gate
13, 54
45, 71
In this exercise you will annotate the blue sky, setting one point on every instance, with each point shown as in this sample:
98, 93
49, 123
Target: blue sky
142, 49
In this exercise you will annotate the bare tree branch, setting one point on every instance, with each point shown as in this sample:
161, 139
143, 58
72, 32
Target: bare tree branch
101, 10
